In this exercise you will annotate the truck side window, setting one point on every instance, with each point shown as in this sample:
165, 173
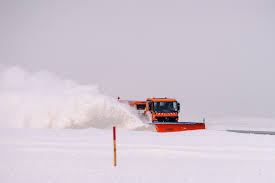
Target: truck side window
140, 106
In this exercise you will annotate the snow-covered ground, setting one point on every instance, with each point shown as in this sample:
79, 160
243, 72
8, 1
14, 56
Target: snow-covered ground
86, 155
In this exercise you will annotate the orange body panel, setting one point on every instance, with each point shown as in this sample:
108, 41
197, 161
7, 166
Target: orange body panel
176, 127
132, 102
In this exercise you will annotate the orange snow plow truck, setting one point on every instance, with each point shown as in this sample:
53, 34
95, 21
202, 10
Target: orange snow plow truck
164, 114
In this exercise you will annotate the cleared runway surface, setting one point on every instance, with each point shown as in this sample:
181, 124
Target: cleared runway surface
253, 132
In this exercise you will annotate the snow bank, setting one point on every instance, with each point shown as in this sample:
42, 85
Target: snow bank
42, 100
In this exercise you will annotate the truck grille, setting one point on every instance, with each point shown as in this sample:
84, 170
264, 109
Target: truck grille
166, 119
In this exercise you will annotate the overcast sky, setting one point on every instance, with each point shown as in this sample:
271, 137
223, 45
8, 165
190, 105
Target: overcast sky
217, 57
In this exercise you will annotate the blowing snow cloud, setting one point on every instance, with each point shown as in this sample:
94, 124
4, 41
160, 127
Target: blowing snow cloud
43, 100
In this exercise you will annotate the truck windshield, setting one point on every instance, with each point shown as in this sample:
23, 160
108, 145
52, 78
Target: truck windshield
165, 106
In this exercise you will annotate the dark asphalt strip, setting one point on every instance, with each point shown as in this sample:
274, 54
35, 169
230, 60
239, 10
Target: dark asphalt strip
253, 132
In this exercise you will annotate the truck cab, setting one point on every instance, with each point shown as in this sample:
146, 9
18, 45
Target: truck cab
162, 109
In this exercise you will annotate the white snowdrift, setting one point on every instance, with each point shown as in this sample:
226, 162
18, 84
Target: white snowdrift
42, 100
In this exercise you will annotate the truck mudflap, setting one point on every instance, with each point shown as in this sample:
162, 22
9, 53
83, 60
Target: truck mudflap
178, 126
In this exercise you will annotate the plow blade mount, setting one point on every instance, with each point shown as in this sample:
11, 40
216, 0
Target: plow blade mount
178, 126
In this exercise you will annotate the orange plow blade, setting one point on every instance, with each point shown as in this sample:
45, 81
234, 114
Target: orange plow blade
178, 126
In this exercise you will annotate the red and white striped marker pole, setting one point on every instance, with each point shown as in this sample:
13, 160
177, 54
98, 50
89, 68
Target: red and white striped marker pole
114, 134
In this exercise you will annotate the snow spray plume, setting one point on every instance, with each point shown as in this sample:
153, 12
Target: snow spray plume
42, 100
